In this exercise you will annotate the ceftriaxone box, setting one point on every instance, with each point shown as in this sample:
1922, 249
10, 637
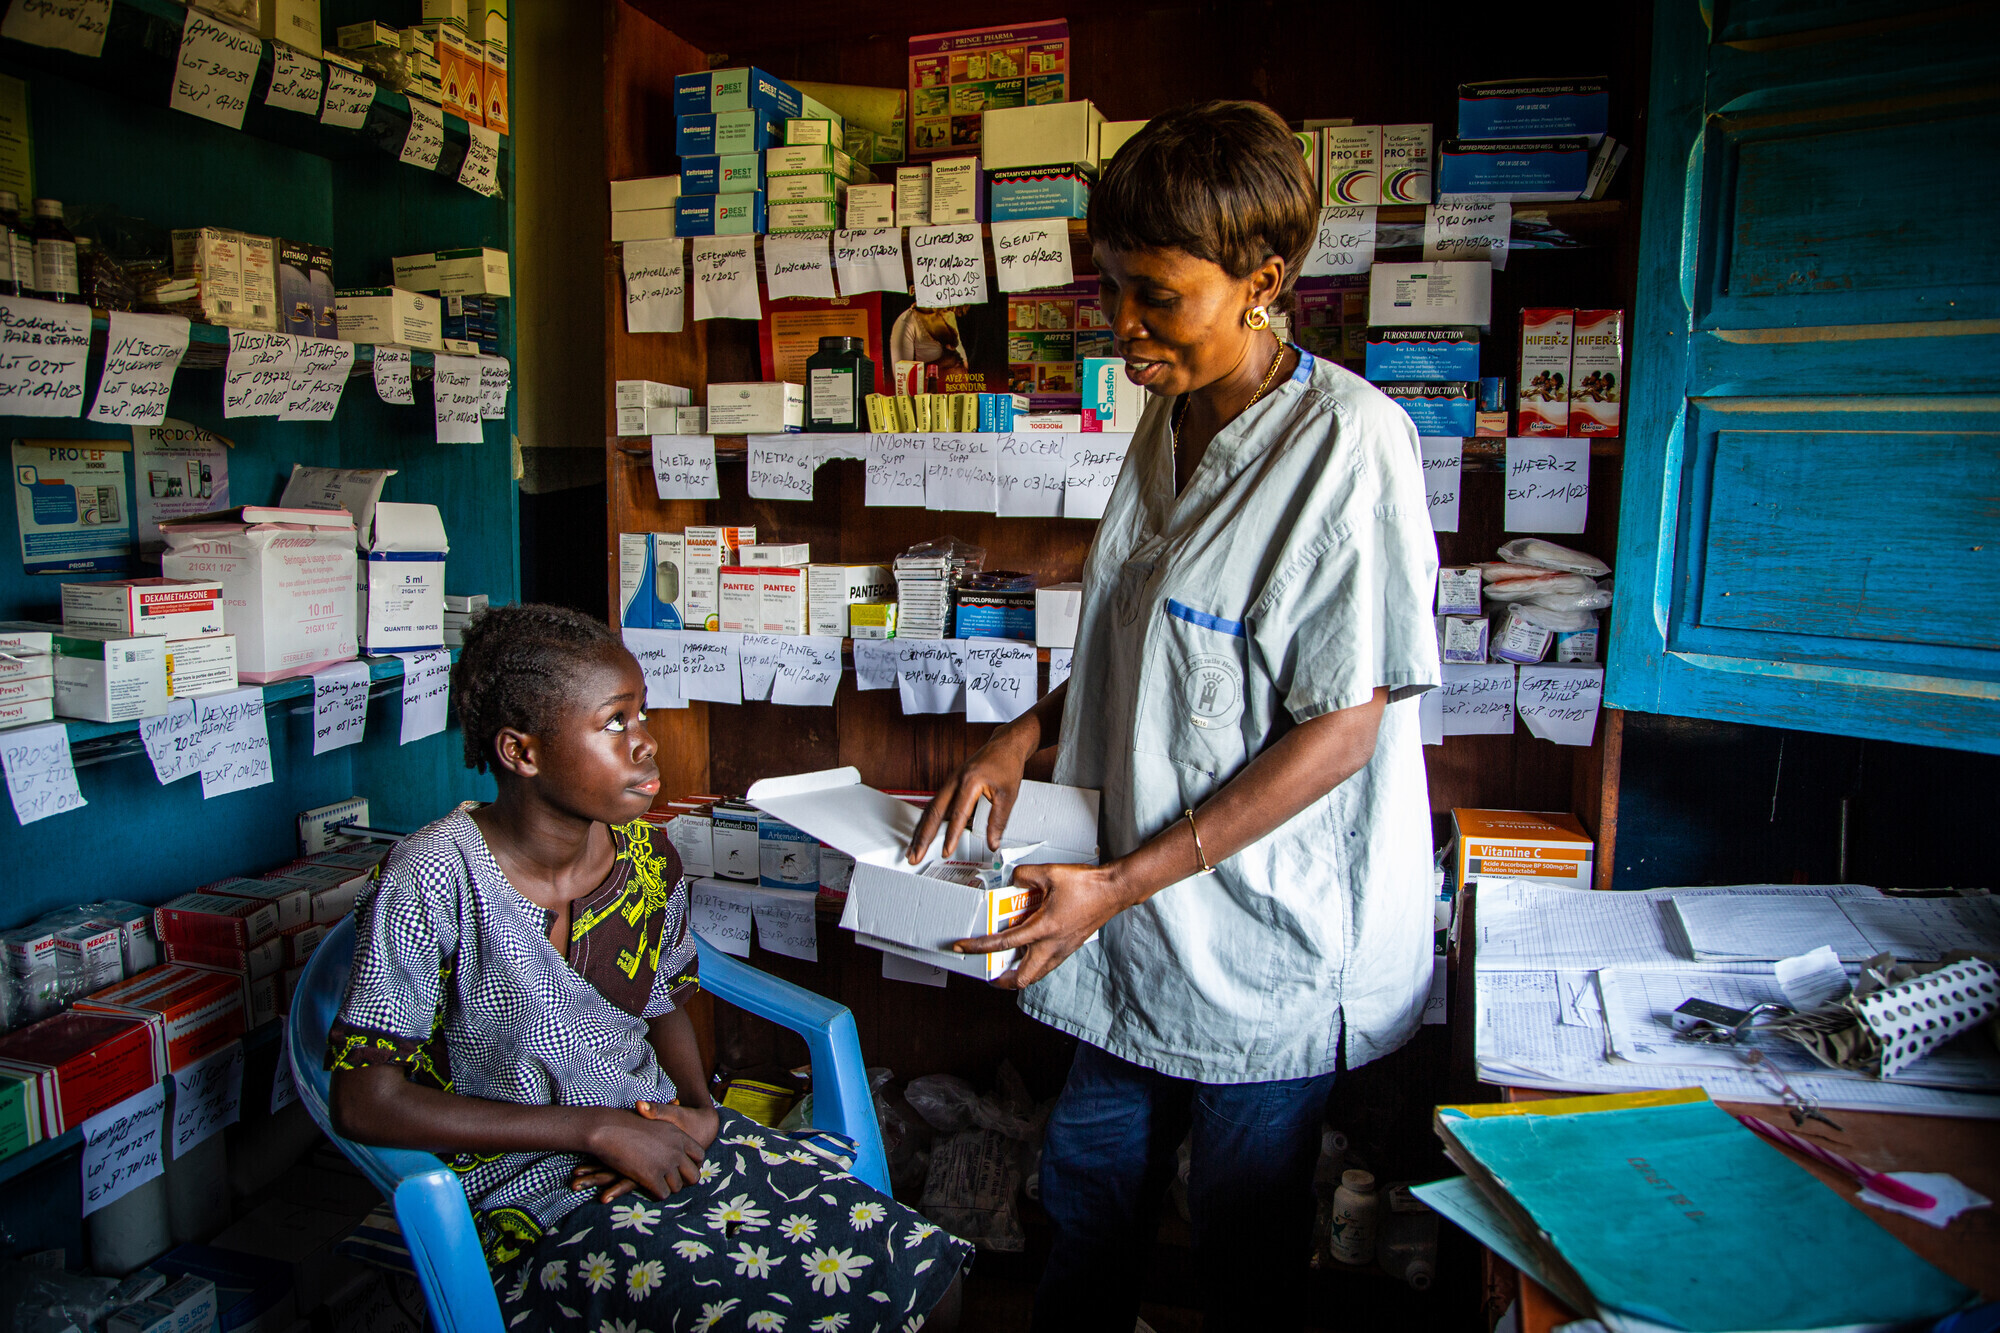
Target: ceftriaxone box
911, 910
287, 583
1549, 848
1351, 166
406, 551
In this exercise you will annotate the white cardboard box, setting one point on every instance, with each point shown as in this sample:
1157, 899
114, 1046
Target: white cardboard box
831, 589
1056, 610
756, 408
1039, 136
406, 553
644, 224
645, 192
201, 666
287, 583
781, 600
174, 608
477, 271
890, 905
1437, 293
110, 676
391, 315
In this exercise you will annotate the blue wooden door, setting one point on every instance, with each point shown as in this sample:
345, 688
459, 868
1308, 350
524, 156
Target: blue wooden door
1810, 531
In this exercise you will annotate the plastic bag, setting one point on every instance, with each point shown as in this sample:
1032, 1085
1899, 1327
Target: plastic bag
906, 1138
1548, 555
974, 1177
1597, 599
1514, 590
1562, 622
945, 1101
1498, 571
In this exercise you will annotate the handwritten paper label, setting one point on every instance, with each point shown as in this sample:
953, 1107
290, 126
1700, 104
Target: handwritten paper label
875, 664
426, 693
392, 375
758, 658
895, 967
495, 374
962, 472
141, 353
1060, 661
1032, 254
1031, 471
317, 379
124, 1147
258, 377
208, 1097
781, 468
999, 679
296, 81
1548, 485
720, 917
896, 466
217, 65
1478, 700
1094, 464
1430, 716
659, 654
43, 349
233, 744
170, 741
1444, 458
949, 264
1560, 703
284, 1088
799, 266
480, 172
725, 277
65, 25
785, 924
1344, 243
655, 286
340, 706
348, 97
425, 140
41, 777
808, 671
930, 673
1468, 227
869, 261
684, 467
711, 667
455, 396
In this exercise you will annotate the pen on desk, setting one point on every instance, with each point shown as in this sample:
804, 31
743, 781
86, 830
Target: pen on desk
1886, 1186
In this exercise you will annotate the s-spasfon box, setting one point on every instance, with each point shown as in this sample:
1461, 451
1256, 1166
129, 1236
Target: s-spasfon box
1547, 847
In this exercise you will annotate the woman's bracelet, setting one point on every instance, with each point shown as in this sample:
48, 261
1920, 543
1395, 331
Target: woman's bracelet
1200, 856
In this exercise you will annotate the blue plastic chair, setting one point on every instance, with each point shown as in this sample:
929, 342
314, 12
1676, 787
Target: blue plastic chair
430, 1203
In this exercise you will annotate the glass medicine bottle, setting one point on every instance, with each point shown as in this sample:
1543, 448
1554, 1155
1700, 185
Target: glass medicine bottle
838, 378
55, 253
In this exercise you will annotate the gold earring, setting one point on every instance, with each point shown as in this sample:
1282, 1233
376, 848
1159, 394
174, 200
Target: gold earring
1256, 317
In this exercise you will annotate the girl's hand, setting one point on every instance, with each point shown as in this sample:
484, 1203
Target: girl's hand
657, 1154
700, 1123
1077, 901
993, 772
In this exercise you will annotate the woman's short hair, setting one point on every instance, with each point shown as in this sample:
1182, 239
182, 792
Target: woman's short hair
1224, 181
519, 669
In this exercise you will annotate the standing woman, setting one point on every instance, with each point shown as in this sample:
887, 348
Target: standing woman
1256, 625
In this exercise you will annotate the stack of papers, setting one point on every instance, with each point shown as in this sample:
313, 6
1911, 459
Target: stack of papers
1574, 988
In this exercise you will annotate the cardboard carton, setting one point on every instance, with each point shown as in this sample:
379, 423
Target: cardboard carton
406, 551
1549, 848
288, 583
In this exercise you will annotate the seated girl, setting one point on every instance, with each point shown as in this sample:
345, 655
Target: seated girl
515, 1007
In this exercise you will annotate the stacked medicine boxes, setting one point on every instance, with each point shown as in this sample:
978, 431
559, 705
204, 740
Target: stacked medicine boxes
756, 155
1527, 140
127, 647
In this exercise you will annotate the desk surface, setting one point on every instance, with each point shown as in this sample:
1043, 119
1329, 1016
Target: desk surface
1969, 1249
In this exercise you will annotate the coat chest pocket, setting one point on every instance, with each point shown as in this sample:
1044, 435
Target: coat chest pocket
1203, 666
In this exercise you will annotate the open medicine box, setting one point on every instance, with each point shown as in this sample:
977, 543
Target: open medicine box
1547, 847
406, 552
907, 910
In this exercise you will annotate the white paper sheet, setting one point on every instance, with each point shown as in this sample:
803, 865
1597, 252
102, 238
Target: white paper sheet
1478, 700
455, 399
808, 671
392, 376
1430, 716
1031, 469
949, 265
781, 467
1812, 979
1094, 464
1471, 227
710, 666
1952, 1194
234, 748
896, 468
340, 705
725, 277
44, 347
1444, 460
208, 1098
348, 97
217, 65
141, 354
655, 286
124, 1147
720, 917
1344, 243
659, 654
495, 375
1919, 929
1548, 485
258, 377
895, 967
284, 1088
870, 261
874, 664
1060, 660
1914, 929
480, 172
684, 467
318, 379
425, 139
64, 25
1031, 255
786, 923
930, 673
1559, 702
426, 693
961, 473
799, 266
296, 81
171, 741
41, 776
757, 658
999, 679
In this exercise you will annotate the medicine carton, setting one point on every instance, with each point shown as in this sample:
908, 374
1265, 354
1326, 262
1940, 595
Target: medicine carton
1057, 608
644, 224
787, 858
195, 1011
756, 408
663, 587
1113, 135
1423, 354
24, 638
913, 196
288, 579
216, 920
296, 23
650, 393
899, 909
1549, 848
733, 827
646, 192
306, 302
1430, 295
870, 206
691, 832
192, 1300
88, 1062
1406, 164
494, 85
1534, 109
213, 258
743, 88
805, 131
817, 187
406, 551
1458, 590
1039, 192
1596, 390
20, 1109
201, 666
790, 219
476, 271
1111, 401
725, 133
781, 600
771, 554
872, 620
832, 589
291, 899
1463, 640
635, 602
720, 214
1547, 334
955, 190
997, 411
173, 608
1520, 170
738, 173
808, 160
26, 712
392, 315
109, 675
1437, 408
1034, 136
995, 615
260, 283
1350, 170
255, 961
738, 588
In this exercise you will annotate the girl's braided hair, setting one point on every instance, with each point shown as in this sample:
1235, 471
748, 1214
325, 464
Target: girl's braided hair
517, 669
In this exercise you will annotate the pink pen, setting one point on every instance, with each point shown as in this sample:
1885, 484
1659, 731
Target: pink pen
1886, 1186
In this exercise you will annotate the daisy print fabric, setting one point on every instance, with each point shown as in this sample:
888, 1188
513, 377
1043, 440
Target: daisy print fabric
776, 1237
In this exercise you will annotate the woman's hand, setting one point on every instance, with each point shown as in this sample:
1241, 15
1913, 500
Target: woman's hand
699, 1124
1077, 901
657, 1149
993, 772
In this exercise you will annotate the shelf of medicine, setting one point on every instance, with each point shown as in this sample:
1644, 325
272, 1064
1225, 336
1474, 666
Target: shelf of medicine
1479, 451
208, 348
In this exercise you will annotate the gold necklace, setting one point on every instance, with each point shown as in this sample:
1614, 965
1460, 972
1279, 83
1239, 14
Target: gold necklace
1186, 399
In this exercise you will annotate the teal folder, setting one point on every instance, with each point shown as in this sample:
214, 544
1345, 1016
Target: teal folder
1679, 1216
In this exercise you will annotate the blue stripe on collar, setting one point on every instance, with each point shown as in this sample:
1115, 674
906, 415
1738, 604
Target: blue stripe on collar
1305, 366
